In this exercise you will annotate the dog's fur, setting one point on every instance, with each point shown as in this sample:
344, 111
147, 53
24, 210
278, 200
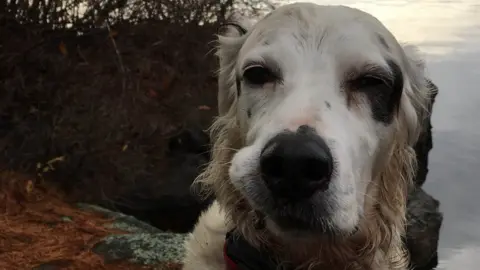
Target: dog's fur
316, 48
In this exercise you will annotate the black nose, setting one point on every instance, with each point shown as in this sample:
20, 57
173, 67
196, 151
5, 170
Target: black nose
294, 165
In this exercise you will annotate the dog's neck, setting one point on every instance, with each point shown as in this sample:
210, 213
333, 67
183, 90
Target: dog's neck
350, 253
367, 249
321, 254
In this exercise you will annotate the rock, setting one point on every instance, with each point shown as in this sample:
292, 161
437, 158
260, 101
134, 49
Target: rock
121, 221
188, 152
423, 216
423, 229
424, 143
191, 140
143, 244
142, 248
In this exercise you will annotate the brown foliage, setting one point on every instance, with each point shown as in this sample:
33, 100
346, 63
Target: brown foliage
38, 228
99, 86
69, 96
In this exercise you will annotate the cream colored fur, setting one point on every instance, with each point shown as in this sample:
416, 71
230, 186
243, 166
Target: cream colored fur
377, 245
205, 244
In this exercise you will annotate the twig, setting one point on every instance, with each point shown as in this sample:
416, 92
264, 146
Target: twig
120, 61
82, 55
119, 57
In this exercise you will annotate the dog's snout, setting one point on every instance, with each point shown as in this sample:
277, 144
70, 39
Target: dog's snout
296, 164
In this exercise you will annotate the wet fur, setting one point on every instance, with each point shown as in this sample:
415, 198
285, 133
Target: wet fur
378, 242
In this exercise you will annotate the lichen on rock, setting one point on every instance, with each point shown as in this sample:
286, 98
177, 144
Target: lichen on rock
142, 248
142, 243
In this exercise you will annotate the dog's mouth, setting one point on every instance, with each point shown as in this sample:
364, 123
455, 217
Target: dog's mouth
297, 219
305, 218
292, 227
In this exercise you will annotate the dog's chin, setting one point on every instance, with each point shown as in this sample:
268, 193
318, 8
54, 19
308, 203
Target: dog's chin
306, 233
304, 222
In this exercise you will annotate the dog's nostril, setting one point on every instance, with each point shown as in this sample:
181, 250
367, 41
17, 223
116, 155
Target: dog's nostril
270, 166
315, 169
298, 165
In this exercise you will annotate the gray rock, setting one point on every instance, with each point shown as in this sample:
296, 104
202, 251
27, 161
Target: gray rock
143, 244
142, 248
122, 222
423, 229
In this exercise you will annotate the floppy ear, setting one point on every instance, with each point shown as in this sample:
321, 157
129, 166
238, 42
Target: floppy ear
229, 44
418, 93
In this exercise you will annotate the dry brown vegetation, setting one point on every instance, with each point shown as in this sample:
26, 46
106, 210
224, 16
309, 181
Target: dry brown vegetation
90, 92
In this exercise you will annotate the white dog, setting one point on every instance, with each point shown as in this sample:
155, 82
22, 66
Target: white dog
319, 107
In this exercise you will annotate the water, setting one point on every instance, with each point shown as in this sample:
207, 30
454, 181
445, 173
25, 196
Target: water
448, 32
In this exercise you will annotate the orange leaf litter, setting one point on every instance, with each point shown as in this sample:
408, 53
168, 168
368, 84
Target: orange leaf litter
37, 227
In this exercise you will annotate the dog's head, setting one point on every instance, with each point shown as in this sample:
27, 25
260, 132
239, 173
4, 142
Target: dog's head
319, 107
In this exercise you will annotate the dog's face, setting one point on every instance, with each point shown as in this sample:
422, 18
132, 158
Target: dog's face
317, 93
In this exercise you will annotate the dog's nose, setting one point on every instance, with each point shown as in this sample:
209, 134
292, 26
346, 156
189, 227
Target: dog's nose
294, 165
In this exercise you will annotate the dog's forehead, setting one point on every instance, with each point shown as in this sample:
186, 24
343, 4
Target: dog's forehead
312, 25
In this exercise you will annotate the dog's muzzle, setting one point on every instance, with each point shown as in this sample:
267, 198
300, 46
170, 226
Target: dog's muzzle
295, 165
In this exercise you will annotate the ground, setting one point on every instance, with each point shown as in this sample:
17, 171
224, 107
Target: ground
40, 231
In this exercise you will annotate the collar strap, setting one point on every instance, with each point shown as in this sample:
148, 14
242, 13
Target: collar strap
230, 264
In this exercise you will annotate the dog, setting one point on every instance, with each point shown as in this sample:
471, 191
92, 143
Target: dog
312, 159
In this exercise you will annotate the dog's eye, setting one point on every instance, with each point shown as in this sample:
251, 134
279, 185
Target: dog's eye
369, 81
258, 75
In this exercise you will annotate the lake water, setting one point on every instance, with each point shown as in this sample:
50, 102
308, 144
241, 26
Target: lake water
448, 32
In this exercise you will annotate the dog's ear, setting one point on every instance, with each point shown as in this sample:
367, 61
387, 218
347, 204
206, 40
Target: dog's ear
418, 93
230, 40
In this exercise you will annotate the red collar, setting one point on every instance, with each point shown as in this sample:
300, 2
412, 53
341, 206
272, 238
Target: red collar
231, 265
